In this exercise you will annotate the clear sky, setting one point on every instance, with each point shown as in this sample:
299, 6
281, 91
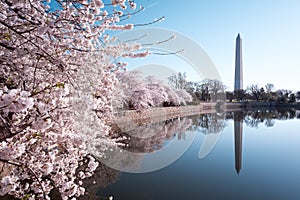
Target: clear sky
270, 31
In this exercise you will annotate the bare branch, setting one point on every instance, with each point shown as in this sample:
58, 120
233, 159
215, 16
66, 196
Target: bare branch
153, 22
166, 54
10, 162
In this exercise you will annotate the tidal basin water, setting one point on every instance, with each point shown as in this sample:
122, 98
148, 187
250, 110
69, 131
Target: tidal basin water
233, 155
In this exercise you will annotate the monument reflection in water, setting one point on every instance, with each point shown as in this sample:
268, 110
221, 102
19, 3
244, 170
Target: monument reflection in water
238, 140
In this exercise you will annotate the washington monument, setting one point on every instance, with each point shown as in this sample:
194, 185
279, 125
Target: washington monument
238, 79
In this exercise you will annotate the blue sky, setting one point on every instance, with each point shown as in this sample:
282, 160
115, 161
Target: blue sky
270, 31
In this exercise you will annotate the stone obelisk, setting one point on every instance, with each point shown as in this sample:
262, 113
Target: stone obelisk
238, 79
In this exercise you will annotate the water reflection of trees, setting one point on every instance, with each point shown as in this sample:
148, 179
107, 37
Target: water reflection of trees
216, 122
209, 123
266, 117
103, 177
152, 137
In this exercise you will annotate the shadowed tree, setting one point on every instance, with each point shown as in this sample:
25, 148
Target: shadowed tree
292, 98
239, 95
204, 92
254, 91
282, 96
215, 87
298, 95
229, 96
193, 90
263, 95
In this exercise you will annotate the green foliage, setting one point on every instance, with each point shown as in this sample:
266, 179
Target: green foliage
26, 197
59, 85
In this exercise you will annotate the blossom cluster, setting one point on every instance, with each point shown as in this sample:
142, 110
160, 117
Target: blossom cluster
138, 93
58, 70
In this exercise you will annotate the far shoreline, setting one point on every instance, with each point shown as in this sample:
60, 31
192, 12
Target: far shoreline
158, 114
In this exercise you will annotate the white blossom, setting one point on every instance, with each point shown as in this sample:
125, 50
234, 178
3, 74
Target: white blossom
52, 58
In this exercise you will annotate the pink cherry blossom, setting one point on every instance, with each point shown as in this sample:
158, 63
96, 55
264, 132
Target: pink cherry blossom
134, 92
53, 59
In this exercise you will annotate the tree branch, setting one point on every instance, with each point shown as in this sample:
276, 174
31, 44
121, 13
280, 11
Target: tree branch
10, 162
153, 22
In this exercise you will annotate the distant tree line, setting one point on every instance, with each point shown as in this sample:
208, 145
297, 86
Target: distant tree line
263, 94
206, 90
209, 90
135, 92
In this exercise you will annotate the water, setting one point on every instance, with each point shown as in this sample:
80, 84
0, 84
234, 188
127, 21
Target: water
242, 155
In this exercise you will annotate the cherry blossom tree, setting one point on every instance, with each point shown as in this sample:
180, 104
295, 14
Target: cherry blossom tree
157, 90
138, 93
56, 60
185, 97
132, 91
